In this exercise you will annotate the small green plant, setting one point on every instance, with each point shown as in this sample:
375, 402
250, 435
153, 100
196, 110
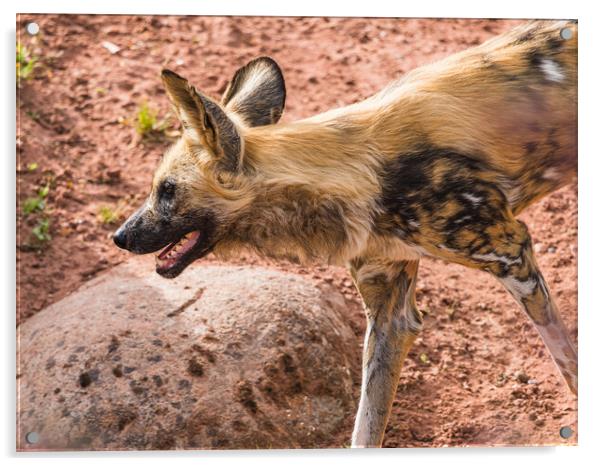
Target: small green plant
107, 215
146, 119
37, 203
32, 167
33, 204
147, 122
26, 63
41, 232
111, 214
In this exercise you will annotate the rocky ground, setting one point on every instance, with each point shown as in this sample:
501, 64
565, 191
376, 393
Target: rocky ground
478, 375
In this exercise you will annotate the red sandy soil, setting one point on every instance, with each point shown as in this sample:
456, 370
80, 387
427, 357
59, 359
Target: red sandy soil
478, 375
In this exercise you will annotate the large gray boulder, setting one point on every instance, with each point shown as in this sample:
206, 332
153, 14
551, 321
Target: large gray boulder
221, 357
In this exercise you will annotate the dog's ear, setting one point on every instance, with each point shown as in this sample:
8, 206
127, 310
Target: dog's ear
257, 92
204, 122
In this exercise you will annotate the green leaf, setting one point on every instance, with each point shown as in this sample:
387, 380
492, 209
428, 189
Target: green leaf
107, 215
43, 192
41, 230
25, 63
146, 119
33, 204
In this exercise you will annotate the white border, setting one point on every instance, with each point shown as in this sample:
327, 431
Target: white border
590, 231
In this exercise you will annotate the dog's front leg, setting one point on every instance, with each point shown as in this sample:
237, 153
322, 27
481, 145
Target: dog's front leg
393, 321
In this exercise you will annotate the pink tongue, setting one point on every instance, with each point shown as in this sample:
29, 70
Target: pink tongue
190, 242
182, 248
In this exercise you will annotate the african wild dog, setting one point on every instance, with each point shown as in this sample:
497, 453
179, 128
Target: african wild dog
439, 163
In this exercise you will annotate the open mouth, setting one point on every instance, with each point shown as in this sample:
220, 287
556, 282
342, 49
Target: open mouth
174, 258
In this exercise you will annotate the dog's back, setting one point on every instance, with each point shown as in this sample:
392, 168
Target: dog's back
510, 102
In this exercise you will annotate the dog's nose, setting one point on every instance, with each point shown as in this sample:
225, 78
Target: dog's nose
119, 238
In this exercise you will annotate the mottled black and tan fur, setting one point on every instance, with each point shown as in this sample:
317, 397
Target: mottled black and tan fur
439, 163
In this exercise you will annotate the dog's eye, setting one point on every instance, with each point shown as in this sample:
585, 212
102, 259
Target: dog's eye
168, 189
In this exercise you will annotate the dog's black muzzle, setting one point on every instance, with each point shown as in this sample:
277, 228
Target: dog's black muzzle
142, 234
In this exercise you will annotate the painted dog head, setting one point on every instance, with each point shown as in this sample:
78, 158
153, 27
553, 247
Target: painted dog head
201, 183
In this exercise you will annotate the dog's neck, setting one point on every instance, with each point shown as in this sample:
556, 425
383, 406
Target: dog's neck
332, 158
313, 190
